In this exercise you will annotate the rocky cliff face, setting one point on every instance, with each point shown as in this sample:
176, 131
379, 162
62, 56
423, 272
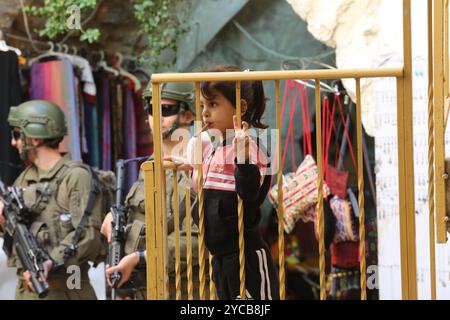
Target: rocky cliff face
363, 33
9, 11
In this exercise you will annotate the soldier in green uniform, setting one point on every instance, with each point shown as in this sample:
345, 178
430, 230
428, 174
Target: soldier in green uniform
56, 190
177, 103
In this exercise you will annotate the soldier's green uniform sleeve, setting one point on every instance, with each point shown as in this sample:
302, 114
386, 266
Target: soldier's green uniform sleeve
74, 192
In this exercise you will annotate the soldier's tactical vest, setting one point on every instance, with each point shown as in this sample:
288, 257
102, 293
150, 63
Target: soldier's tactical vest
52, 220
135, 203
135, 229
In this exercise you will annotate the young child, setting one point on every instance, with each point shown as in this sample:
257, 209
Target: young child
227, 174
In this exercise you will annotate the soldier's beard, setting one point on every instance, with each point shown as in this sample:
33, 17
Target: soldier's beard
176, 125
23, 155
26, 152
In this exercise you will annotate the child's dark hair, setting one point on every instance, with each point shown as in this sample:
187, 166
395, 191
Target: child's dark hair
251, 91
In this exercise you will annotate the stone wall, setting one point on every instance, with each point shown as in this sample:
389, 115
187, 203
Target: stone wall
357, 29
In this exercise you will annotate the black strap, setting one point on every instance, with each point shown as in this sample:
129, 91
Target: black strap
94, 190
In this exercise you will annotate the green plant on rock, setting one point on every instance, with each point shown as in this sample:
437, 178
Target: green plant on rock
64, 16
158, 21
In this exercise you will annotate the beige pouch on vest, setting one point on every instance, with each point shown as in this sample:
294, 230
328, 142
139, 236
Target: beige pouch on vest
135, 237
37, 196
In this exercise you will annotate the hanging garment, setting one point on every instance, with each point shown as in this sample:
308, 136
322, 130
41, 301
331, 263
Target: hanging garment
92, 130
95, 134
85, 73
81, 63
106, 126
117, 114
97, 117
130, 145
55, 81
144, 135
343, 284
10, 95
80, 107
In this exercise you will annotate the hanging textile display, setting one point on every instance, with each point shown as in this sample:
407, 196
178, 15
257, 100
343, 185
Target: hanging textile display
104, 112
130, 143
117, 100
91, 121
346, 222
300, 188
106, 126
144, 135
55, 81
80, 108
10, 95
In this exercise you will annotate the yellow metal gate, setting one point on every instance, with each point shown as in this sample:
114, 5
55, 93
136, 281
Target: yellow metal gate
155, 171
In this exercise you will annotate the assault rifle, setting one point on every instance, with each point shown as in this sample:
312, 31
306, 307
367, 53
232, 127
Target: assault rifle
118, 236
18, 235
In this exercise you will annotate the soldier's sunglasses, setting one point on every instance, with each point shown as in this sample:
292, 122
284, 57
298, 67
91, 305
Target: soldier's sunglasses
15, 135
167, 110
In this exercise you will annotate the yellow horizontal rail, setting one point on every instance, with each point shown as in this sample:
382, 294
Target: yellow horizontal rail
278, 75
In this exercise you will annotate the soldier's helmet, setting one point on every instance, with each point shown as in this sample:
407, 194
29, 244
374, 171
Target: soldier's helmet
183, 92
38, 119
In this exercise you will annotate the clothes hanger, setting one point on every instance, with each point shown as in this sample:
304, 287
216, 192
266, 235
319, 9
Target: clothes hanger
326, 88
133, 68
65, 48
5, 47
50, 53
74, 51
102, 64
124, 73
303, 63
316, 62
142, 71
52, 47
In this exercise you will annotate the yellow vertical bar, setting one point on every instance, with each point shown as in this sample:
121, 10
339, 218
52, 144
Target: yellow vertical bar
439, 160
201, 236
446, 66
281, 256
150, 241
212, 287
323, 293
240, 210
176, 217
190, 288
362, 215
431, 153
401, 189
409, 150
165, 246
159, 176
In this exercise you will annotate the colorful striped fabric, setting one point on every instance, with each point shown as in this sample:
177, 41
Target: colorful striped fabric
95, 149
130, 142
106, 125
55, 81
92, 133
144, 137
